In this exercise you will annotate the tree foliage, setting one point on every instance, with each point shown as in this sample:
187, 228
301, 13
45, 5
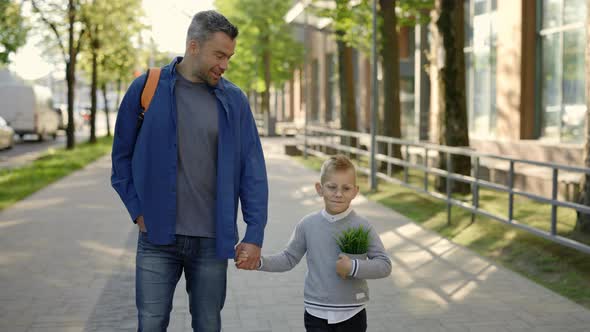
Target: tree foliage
13, 29
64, 31
352, 19
262, 29
111, 26
355, 19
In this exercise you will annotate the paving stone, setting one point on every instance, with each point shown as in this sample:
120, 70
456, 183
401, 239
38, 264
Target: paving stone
68, 265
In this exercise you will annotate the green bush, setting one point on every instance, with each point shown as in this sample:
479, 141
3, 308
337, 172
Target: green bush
354, 240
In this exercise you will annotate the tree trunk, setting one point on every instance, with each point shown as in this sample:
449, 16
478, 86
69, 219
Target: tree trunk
106, 108
119, 86
93, 92
348, 119
71, 77
453, 129
583, 220
390, 61
265, 103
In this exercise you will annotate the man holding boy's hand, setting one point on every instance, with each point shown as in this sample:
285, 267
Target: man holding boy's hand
247, 256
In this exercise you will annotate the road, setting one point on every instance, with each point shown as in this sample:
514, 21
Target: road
29, 149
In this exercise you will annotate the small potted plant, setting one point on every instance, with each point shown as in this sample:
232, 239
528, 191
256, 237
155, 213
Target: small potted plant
354, 242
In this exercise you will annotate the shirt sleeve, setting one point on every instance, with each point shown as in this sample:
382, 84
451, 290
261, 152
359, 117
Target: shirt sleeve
377, 265
123, 146
290, 256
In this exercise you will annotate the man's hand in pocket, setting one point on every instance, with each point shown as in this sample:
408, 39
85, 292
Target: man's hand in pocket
140, 224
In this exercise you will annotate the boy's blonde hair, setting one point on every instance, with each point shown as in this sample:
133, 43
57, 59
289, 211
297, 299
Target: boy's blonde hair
335, 163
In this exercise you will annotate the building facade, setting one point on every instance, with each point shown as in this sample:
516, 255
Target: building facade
525, 79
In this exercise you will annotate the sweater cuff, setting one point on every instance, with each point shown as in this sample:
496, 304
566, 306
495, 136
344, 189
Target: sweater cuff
354, 269
259, 264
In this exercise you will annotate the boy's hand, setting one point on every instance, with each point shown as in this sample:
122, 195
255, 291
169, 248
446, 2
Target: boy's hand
343, 266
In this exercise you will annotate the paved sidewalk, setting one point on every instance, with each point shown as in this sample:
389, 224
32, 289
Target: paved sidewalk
67, 264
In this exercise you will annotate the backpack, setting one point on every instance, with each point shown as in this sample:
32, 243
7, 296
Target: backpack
147, 92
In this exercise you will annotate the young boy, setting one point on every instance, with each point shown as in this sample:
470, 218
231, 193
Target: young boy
336, 291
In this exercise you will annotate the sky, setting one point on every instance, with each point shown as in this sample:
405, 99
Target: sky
169, 20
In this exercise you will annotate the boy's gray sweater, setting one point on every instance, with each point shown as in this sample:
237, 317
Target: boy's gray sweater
324, 289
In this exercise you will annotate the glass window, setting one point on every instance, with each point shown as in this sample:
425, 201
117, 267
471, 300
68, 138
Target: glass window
552, 13
480, 61
574, 11
406, 97
563, 96
315, 93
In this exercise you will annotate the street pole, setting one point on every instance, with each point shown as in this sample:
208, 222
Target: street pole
306, 78
374, 102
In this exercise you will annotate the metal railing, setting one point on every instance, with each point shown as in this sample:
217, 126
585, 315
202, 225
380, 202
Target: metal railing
322, 142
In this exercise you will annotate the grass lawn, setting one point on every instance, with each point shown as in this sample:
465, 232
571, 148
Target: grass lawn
18, 183
559, 268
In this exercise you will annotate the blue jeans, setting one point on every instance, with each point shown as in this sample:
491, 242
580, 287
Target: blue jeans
158, 269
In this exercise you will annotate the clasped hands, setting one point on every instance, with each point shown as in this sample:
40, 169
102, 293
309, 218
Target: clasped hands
247, 256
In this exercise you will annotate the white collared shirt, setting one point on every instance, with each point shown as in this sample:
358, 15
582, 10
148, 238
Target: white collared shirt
336, 217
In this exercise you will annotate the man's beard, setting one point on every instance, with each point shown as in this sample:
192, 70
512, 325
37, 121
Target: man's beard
201, 76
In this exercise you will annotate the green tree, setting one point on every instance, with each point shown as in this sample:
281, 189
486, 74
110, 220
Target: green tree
266, 51
66, 31
389, 54
351, 25
394, 14
453, 129
111, 25
118, 64
13, 29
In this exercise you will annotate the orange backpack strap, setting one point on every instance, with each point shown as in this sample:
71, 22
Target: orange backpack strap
151, 83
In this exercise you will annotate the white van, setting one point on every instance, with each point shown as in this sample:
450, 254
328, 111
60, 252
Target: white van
28, 109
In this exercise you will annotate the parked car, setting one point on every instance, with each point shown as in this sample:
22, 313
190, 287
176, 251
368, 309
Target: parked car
29, 109
85, 114
62, 118
6, 135
62, 110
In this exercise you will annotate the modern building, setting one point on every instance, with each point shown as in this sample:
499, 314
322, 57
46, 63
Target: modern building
525, 75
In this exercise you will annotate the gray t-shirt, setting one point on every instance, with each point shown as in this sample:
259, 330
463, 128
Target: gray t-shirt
197, 158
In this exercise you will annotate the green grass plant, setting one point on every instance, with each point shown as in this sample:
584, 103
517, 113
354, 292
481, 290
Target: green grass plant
354, 240
20, 182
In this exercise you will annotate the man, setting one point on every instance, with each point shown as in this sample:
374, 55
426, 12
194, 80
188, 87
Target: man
180, 175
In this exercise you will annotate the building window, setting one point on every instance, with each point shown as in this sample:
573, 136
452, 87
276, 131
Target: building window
563, 42
409, 122
315, 93
480, 63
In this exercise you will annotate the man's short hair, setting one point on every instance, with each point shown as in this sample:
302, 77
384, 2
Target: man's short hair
335, 163
206, 23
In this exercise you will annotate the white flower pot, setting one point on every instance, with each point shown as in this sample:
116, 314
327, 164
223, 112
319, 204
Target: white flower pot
356, 256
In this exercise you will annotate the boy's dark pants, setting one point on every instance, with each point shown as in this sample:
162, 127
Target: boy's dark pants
357, 323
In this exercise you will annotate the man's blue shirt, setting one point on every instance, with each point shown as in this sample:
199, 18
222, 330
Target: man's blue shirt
145, 164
